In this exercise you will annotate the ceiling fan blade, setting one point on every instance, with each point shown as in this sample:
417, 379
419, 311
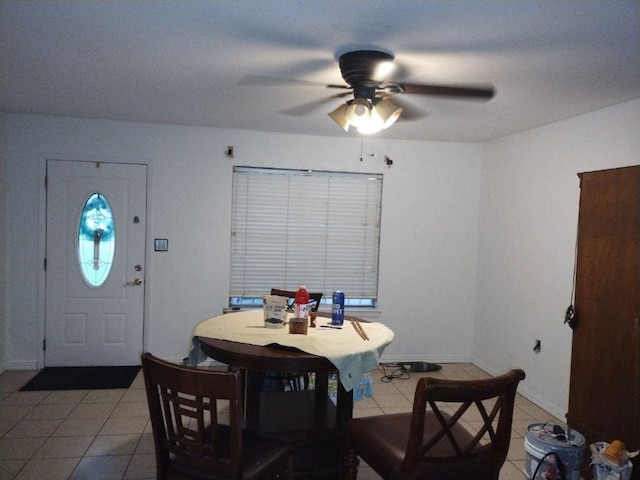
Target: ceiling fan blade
479, 93
409, 110
306, 108
256, 80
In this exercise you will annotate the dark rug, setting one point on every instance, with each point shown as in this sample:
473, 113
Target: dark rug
82, 378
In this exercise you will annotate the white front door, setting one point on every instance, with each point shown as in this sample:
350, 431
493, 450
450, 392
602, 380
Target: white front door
95, 259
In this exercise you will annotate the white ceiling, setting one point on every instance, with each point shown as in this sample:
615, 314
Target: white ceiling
187, 61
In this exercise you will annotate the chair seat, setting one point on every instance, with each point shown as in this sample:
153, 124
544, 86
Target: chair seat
384, 438
258, 457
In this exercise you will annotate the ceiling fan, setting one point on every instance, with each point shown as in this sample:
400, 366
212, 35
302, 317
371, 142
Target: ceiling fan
366, 73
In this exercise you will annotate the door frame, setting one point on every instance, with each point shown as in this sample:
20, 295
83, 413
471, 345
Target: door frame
42, 238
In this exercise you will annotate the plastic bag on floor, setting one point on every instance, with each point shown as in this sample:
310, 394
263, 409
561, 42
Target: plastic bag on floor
606, 467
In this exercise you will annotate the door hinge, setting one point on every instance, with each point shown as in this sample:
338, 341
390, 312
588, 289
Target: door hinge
45, 263
46, 181
44, 344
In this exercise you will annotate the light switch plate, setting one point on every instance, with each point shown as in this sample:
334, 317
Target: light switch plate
161, 244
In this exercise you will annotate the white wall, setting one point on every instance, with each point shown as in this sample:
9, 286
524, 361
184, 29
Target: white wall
429, 226
495, 222
528, 220
3, 246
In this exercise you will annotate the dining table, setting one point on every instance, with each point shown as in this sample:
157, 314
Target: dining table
311, 418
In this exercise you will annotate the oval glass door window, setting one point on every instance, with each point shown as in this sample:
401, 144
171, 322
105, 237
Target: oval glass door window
96, 240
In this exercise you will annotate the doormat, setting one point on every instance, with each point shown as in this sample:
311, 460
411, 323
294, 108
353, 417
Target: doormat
82, 378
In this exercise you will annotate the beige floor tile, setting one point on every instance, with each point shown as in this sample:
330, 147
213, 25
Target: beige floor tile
520, 400
391, 401
104, 445
141, 467
146, 444
384, 387
519, 464
13, 380
14, 413
101, 468
49, 468
533, 410
103, 396
471, 369
520, 414
106, 433
135, 395
6, 425
33, 428
516, 451
510, 471
366, 473
131, 409
124, 425
79, 427
392, 410
519, 427
50, 412
65, 396
19, 448
10, 468
93, 410
138, 382
61, 447
408, 389
25, 398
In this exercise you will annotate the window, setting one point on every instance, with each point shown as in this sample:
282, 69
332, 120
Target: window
96, 240
298, 227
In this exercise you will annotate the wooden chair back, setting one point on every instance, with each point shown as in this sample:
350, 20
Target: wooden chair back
443, 405
458, 429
189, 434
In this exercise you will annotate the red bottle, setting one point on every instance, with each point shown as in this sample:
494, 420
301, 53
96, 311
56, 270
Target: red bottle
301, 303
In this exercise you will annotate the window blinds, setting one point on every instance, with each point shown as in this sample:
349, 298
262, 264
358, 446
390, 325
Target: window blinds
296, 227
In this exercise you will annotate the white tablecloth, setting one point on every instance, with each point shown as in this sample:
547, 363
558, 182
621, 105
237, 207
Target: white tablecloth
351, 355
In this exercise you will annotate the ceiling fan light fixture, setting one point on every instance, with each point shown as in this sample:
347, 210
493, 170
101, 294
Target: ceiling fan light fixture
373, 125
358, 111
387, 112
338, 116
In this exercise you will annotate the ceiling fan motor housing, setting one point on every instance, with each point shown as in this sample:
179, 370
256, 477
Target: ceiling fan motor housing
358, 69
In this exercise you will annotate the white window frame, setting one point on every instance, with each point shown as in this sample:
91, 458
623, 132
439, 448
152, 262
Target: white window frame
320, 229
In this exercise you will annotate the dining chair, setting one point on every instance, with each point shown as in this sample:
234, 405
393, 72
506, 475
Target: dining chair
458, 430
294, 381
196, 418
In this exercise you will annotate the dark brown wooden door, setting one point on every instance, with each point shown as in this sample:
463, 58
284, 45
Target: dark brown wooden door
604, 396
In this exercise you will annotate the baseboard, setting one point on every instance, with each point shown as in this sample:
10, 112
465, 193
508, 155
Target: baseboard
22, 365
425, 358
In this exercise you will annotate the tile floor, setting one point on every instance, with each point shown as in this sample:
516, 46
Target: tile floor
106, 434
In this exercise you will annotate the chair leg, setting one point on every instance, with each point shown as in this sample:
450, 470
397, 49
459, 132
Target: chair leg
350, 464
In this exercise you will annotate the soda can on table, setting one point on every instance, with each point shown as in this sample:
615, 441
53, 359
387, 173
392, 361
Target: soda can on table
337, 310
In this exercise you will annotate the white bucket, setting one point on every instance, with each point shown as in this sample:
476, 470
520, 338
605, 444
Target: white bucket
539, 441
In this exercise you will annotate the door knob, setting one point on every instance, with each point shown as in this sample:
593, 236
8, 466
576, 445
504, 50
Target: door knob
134, 283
